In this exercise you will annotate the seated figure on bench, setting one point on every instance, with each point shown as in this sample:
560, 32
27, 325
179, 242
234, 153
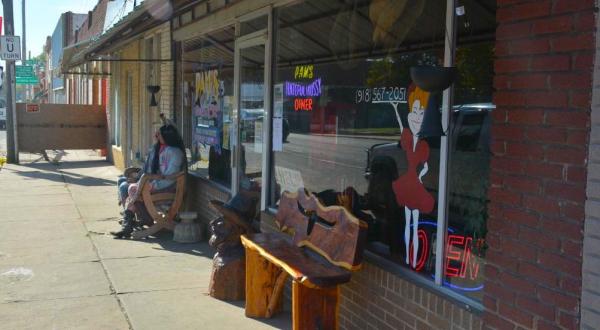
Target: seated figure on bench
167, 157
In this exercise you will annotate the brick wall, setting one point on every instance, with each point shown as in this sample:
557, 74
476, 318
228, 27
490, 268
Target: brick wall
87, 31
377, 299
545, 53
590, 298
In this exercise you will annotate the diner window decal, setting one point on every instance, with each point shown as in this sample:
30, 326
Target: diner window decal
408, 188
208, 109
205, 76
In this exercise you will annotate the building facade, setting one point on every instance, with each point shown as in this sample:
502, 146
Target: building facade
63, 35
490, 222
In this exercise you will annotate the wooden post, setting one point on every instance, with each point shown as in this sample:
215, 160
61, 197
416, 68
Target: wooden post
314, 308
261, 286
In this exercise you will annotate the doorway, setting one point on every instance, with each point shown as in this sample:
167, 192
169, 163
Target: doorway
252, 116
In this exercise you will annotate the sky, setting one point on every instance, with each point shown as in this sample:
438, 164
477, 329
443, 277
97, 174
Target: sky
41, 18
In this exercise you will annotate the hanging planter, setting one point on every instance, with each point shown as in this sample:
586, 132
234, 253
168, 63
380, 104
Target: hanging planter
153, 89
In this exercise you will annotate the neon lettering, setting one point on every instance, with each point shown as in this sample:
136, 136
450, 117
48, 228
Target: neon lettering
304, 72
299, 90
459, 249
468, 262
424, 244
303, 104
453, 254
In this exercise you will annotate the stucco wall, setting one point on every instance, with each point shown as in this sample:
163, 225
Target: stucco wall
590, 297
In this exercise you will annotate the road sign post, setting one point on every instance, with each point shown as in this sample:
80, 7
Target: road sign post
11, 115
10, 48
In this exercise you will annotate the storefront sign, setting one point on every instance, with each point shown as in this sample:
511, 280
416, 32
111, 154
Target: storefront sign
208, 109
303, 104
459, 250
460, 261
312, 89
207, 135
303, 92
32, 108
304, 72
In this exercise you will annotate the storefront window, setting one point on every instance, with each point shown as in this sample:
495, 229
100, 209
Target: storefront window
207, 101
469, 167
347, 117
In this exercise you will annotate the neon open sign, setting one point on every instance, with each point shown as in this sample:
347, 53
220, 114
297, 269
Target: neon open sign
460, 261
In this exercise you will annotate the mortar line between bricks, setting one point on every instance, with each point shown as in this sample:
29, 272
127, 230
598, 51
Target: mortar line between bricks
110, 282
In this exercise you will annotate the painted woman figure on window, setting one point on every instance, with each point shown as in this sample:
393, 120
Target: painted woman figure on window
408, 188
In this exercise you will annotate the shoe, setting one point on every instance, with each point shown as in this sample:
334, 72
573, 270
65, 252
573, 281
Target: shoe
125, 232
128, 223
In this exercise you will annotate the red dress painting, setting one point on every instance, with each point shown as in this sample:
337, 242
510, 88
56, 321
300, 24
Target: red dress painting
409, 191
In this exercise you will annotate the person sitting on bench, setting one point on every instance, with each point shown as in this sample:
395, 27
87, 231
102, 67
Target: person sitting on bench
167, 158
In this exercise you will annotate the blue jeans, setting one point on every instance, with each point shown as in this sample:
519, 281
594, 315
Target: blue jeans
123, 185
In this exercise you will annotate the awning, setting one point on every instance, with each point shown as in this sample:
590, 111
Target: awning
132, 25
69, 53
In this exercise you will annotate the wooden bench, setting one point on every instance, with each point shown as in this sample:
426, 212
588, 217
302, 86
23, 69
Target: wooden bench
326, 244
163, 219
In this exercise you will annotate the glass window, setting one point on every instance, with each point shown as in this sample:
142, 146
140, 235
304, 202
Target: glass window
251, 116
347, 118
207, 101
469, 167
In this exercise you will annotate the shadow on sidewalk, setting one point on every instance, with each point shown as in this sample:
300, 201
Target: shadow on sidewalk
281, 320
49, 172
164, 238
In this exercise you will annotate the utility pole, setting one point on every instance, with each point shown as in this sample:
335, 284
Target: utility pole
24, 53
12, 147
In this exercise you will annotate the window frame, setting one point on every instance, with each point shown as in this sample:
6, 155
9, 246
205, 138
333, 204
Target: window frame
437, 286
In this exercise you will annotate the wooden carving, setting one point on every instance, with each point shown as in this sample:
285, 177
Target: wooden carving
228, 274
330, 231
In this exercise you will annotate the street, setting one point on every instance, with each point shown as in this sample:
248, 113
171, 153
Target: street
314, 155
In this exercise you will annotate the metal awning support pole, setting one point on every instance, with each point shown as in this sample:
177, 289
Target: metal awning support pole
12, 146
442, 228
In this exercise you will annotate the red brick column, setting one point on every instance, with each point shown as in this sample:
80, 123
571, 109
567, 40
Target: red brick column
540, 133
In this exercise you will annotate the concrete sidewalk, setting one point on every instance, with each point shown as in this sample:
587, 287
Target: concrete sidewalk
59, 269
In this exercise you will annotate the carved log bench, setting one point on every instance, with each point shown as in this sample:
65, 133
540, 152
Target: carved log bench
326, 244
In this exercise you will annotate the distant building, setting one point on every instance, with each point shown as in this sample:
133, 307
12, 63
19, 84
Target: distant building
63, 34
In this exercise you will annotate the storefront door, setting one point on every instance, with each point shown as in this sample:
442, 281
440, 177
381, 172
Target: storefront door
252, 113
